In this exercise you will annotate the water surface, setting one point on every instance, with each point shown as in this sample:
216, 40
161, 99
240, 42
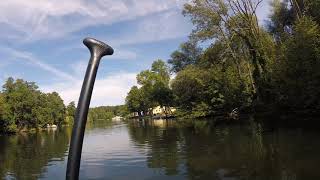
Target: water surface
166, 150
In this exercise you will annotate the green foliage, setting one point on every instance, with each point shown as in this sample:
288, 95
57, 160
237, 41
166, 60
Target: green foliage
203, 92
49, 109
106, 113
286, 13
189, 86
22, 105
233, 26
71, 109
6, 124
281, 20
245, 65
135, 100
154, 89
160, 71
120, 110
21, 97
298, 71
70, 113
188, 54
100, 114
57, 107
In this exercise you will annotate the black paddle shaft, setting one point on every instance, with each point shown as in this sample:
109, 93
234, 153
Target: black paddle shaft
97, 49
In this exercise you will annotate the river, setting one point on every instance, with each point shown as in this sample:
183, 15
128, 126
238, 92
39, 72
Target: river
166, 150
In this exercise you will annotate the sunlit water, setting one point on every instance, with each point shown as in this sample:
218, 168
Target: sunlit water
166, 150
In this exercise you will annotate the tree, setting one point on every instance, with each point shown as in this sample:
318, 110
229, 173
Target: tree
161, 70
6, 124
163, 96
188, 54
154, 89
2, 107
49, 109
22, 105
42, 111
71, 109
281, 20
57, 107
101, 114
135, 101
21, 96
188, 87
297, 74
234, 24
155, 86
286, 13
295, 26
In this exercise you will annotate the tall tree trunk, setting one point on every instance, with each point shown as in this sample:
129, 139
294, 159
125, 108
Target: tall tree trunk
251, 78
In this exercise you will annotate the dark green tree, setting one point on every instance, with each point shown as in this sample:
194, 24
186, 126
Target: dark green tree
234, 23
21, 97
154, 89
70, 113
57, 107
188, 54
6, 124
23, 106
297, 74
101, 114
135, 101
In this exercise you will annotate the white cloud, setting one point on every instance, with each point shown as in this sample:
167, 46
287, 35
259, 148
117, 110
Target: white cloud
120, 53
43, 19
110, 90
27, 21
158, 27
36, 62
154, 20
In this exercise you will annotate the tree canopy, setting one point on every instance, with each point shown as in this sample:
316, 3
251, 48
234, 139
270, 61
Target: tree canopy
246, 66
24, 106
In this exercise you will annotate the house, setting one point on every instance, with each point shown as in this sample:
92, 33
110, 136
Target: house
157, 112
162, 111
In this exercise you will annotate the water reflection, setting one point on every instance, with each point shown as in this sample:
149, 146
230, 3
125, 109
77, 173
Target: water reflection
166, 149
199, 151
26, 156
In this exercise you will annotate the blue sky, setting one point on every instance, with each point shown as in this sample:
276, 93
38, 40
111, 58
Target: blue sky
41, 41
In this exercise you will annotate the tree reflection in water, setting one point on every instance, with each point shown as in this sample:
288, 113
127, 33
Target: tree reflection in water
26, 156
167, 150
201, 151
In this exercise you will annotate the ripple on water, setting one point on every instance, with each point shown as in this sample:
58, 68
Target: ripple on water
140, 151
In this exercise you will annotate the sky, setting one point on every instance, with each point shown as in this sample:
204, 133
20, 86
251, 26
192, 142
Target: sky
41, 41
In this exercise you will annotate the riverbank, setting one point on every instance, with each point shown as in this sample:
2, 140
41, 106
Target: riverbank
272, 117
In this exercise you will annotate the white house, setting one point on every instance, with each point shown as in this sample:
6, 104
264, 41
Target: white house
163, 110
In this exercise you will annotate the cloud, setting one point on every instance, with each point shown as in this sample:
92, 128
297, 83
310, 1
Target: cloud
120, 53
110, 90
28, 22
162, 26
36, 62
157, 27
45, 19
